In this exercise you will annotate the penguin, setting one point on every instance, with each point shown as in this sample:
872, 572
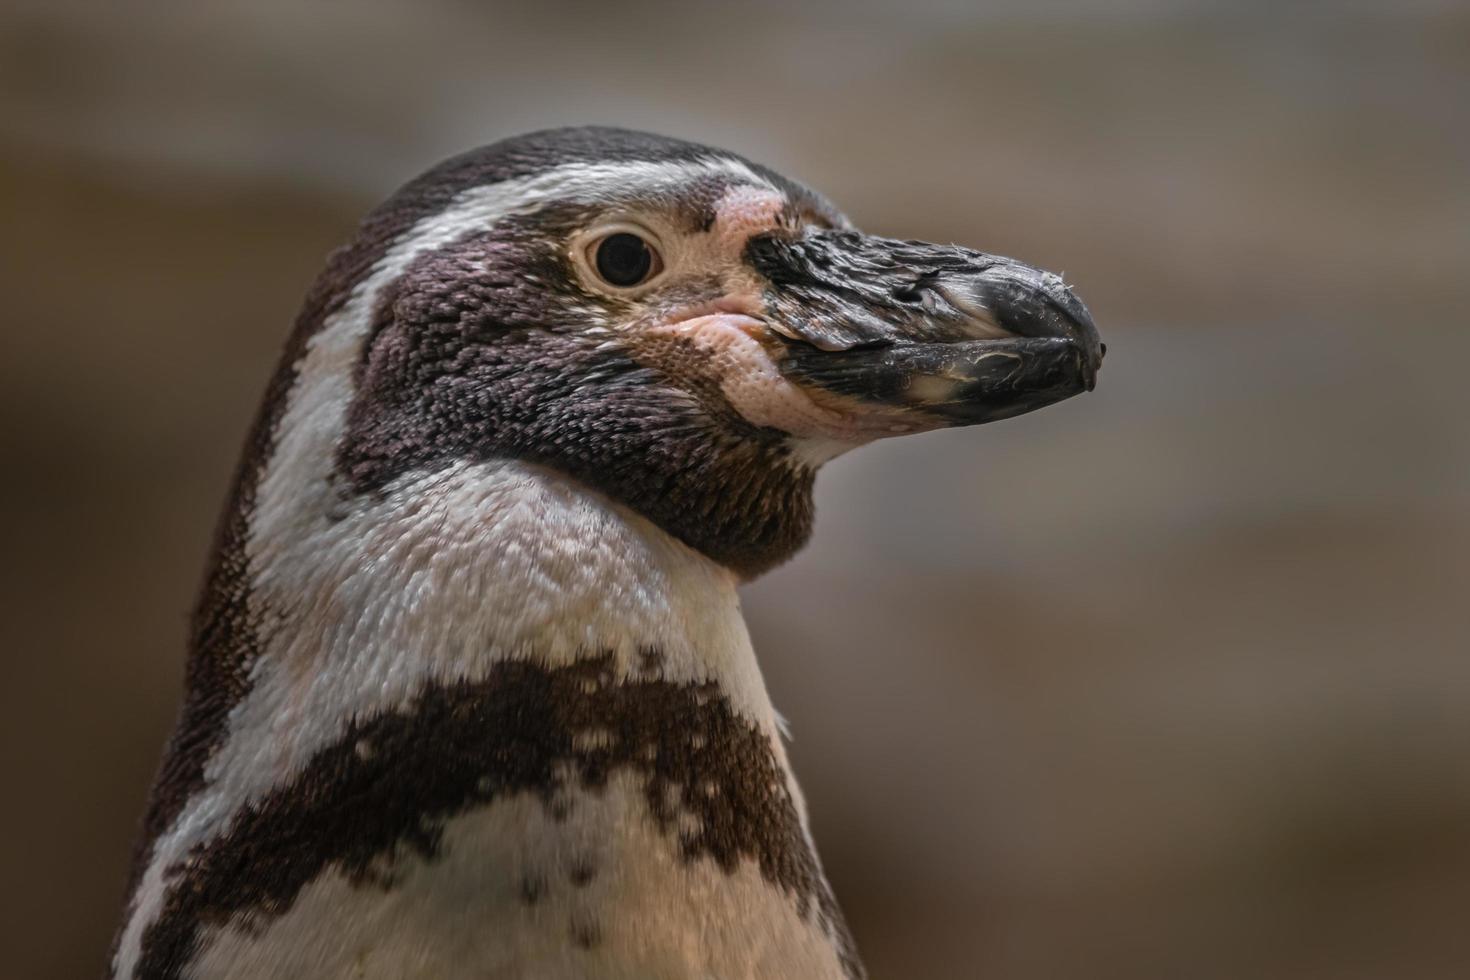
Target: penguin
468, 691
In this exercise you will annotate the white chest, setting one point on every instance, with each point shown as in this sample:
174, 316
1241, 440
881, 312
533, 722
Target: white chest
501, 727
601, 894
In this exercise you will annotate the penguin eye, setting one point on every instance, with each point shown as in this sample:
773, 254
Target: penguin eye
624, 259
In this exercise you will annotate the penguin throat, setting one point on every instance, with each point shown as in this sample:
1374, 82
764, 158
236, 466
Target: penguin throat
441, 576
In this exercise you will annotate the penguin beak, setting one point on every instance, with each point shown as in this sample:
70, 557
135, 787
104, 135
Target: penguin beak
957, 335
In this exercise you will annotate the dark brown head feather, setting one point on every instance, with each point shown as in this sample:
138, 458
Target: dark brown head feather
223, 640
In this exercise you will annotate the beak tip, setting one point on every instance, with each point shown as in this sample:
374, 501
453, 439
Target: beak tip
1095, 364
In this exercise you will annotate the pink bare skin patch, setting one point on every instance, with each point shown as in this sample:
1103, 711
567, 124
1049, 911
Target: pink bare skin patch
730, 344
728, 349
743, 211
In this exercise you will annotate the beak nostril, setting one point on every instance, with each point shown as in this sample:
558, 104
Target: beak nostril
919, 291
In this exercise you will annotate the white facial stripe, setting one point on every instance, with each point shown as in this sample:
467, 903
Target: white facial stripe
432, 563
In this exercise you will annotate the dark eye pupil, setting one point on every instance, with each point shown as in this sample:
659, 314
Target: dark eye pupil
624, 259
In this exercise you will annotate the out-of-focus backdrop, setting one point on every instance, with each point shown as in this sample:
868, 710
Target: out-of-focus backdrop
1171, 680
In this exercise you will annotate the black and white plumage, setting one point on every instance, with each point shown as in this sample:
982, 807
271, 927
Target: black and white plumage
469, 692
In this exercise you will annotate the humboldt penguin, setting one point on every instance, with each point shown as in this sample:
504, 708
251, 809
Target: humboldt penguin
468, 692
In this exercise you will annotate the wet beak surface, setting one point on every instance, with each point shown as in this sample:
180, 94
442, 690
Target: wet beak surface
962, 336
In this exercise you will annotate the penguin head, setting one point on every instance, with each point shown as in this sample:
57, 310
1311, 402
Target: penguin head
688, 332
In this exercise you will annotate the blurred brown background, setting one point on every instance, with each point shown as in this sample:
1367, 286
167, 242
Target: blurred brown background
1172, 680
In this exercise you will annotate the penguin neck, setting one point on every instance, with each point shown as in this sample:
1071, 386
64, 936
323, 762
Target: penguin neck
444, 576
480, 631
